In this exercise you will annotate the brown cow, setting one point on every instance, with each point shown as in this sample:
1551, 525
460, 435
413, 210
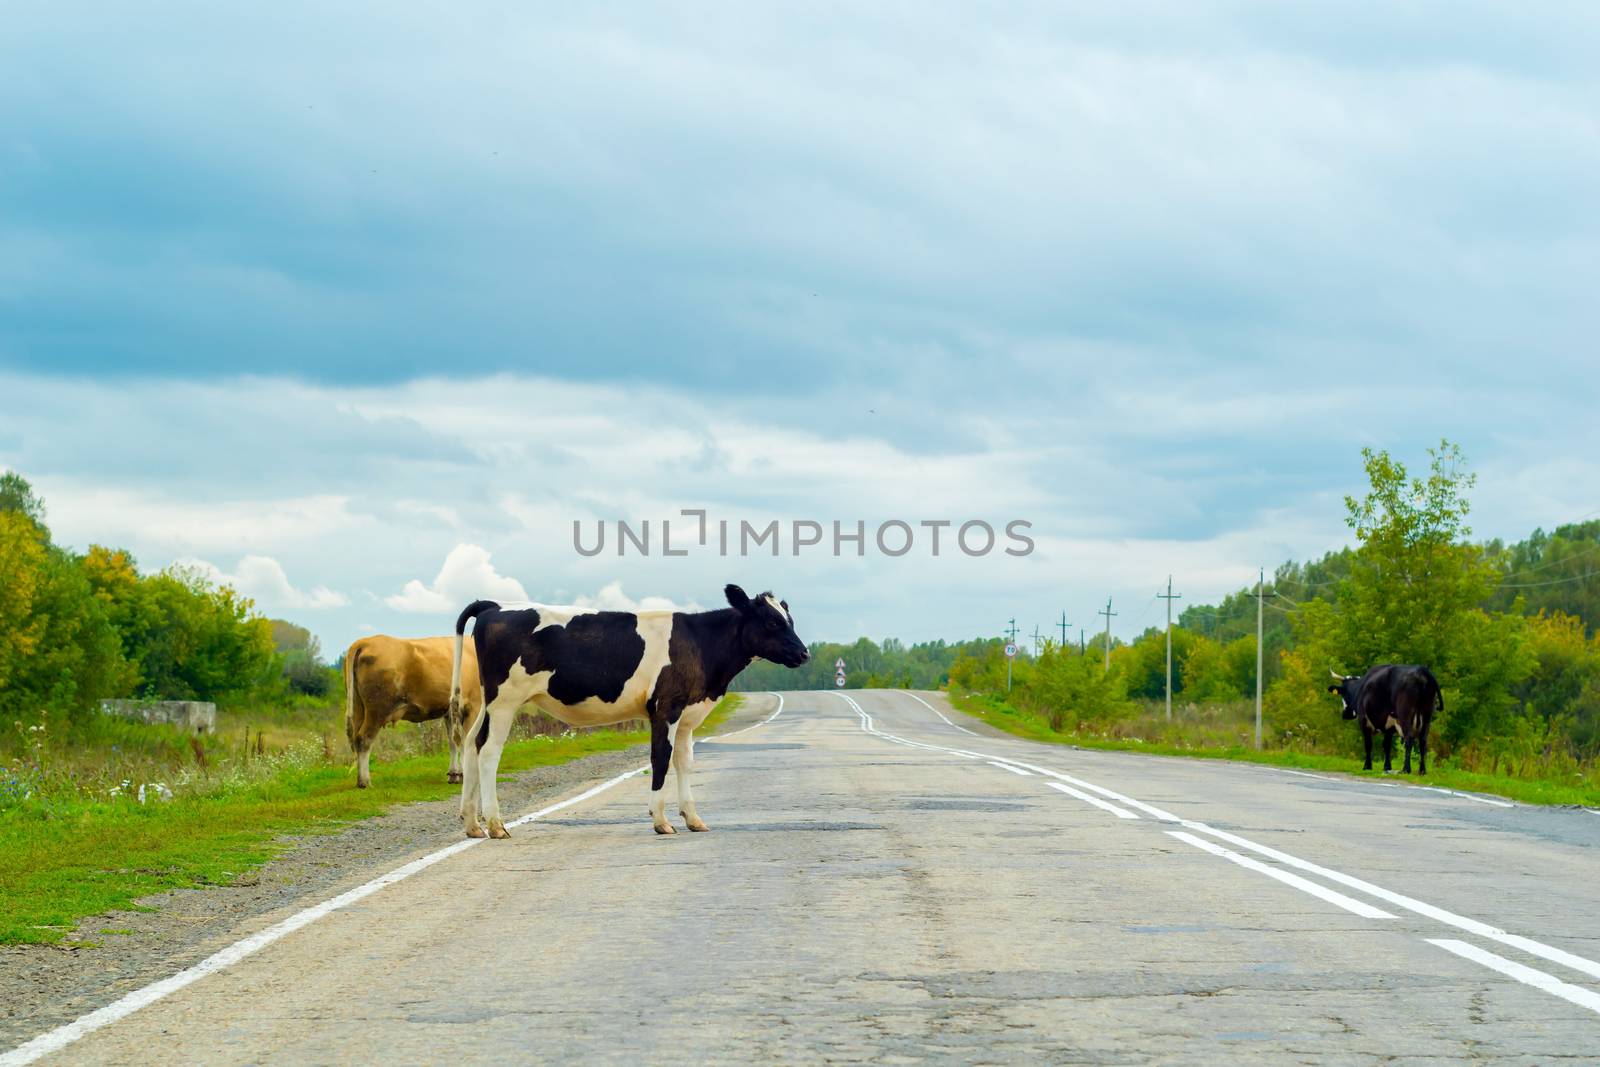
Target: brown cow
387, 679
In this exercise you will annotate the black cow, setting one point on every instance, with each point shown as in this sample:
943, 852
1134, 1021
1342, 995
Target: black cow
595, 668
1392, 698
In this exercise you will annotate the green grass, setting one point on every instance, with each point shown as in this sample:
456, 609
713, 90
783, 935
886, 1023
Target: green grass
66, 857
997, 713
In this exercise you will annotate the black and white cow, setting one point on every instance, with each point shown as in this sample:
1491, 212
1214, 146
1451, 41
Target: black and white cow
1392, 698
594, 668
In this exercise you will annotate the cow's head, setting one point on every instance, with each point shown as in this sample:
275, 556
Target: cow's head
766, 629
1348, 687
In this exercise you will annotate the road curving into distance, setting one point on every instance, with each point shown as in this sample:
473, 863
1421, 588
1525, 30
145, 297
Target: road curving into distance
886, 878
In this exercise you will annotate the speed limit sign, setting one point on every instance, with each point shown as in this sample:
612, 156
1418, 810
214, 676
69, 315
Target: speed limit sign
1011, 649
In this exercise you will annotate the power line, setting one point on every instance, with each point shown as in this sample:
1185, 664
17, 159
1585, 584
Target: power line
1554, 581
1577, 553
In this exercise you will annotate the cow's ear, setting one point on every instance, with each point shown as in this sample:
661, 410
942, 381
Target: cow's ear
737, 598
784, 604
1333, 689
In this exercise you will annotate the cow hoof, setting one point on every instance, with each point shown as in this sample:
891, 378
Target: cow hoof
498, 832
476, 831
696, 825
665, 828
454, 777
362, 784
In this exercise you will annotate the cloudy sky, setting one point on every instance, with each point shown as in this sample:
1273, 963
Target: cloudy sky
361, 306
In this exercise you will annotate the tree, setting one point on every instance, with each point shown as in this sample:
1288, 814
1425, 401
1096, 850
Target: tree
17, 495
1414, 592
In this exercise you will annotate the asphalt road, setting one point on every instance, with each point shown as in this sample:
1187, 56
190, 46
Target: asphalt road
881, 884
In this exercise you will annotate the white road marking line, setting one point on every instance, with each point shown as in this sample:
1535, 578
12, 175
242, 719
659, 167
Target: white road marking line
1466, 796
1013, 770
1121, 813
1527, 975
1305, 774
714, 738
121, 1008
937, 712
1449, 918
1591, 811
1359, 907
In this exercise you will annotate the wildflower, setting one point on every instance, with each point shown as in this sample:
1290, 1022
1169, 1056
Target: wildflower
157, 791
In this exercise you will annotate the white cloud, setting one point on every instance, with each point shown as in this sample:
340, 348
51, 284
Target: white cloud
1213, 477
262, 579
612, 598
467, 575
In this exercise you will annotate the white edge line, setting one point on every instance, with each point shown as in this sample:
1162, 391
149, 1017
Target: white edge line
121, 1008
1121, 813
937, 712
1307, 774
714, 738
1482, 800
1549, 983
62, 1036
1359, 907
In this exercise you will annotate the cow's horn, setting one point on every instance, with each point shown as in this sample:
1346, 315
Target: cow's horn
1337, 675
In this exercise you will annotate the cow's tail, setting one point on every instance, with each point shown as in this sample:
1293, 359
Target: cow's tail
350, 657
1438, 691
471, 611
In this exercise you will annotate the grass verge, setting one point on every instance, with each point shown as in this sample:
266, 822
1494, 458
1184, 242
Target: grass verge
1003, 716
73, 858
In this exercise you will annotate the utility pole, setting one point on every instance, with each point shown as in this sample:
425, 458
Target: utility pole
1169, 597
1064, 625
1261, 577
1083, 645
1036, 639
1108, 613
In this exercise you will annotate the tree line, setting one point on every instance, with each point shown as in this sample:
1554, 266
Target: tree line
76, 628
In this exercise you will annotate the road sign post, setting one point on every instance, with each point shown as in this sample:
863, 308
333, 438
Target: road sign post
1011, 654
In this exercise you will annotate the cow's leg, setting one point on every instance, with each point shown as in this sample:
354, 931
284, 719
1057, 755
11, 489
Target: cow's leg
1422, 753
1388, 750
682, 768
452, 728
662, 735
363, 748
1366, 739
1407, 768
501, 717
470, 807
